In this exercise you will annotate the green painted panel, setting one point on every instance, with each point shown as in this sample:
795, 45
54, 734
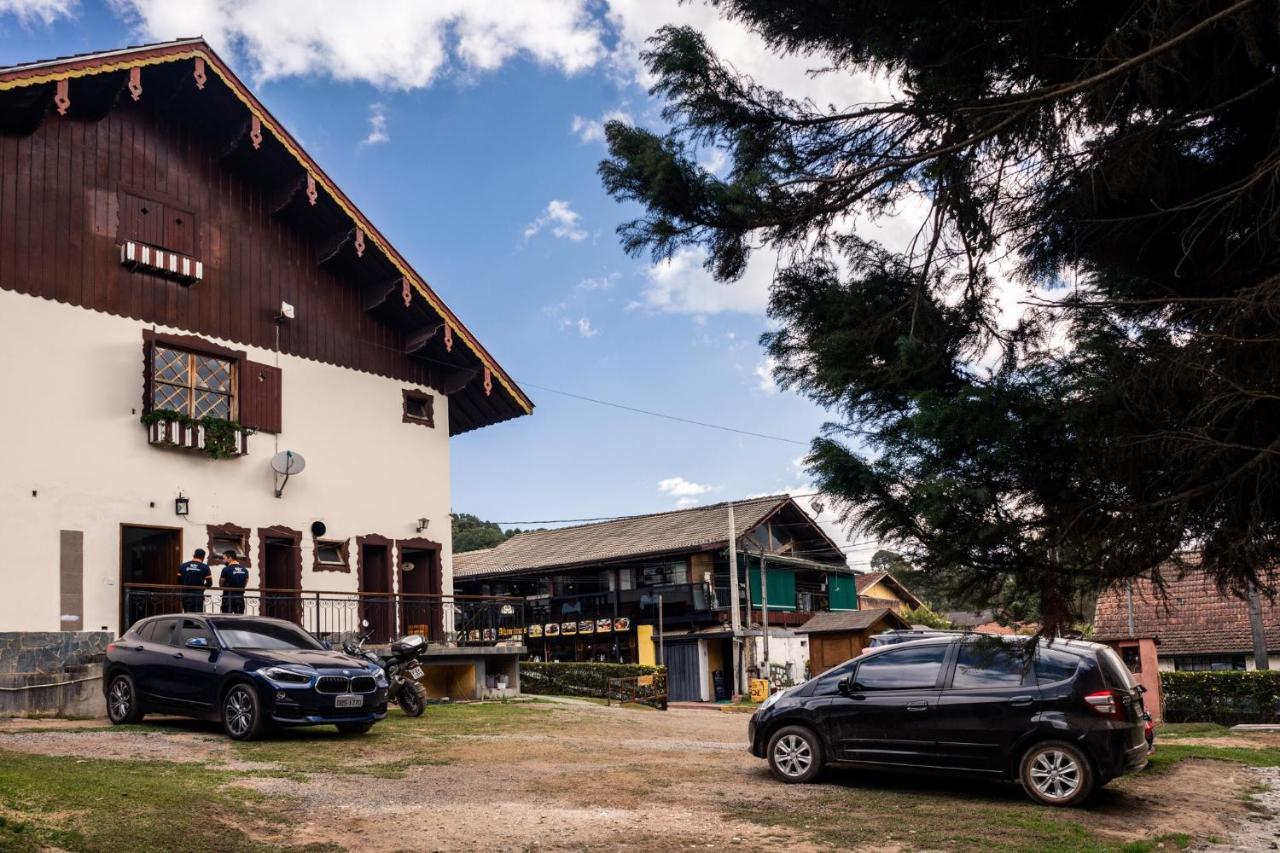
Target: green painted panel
842, 591
782, 587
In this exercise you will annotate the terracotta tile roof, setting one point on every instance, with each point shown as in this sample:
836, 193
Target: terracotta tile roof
850, 620
620, 538
869, 579
1193, 618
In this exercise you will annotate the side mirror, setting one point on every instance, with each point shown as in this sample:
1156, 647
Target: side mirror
845, 685
198, 643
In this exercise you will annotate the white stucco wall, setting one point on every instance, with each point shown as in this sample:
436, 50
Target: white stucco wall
72, 390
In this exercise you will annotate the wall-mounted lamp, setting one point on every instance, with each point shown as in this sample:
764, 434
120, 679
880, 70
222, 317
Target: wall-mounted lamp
286, 312
181, 505
422, 524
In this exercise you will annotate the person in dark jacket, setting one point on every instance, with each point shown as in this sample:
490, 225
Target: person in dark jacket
194, 574
233, 580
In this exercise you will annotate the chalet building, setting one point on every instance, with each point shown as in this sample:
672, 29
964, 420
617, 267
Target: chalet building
185, 296
631, 589
882, 590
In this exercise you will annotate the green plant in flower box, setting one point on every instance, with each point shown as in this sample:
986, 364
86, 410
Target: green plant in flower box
221, 436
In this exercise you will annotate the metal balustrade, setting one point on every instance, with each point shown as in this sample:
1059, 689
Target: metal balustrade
452, 620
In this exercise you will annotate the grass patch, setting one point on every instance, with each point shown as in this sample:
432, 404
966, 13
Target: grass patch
111, 805
1192, 730
1167, 755
419, 741
920, 814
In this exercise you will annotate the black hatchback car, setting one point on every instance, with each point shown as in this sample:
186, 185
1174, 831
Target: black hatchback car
1062, 717
248, 673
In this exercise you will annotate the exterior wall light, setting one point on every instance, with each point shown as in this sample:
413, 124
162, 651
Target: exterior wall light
422, 524
181, 505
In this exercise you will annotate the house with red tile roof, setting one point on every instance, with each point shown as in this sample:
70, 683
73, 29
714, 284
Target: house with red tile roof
1189, 624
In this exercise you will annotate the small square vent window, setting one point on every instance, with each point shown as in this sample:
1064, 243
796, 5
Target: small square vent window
418, 408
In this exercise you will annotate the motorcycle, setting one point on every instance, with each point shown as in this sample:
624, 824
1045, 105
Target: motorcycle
400, 665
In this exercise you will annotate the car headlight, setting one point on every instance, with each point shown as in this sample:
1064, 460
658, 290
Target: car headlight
772, 700
282, 676
379, 676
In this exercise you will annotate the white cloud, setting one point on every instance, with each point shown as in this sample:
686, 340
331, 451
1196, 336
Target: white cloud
764, 373
603, 282
634, 21
561, 219
582, 324
394, 44
681, 285
377, 125
714, 160
592, 130
683, 490
46, 11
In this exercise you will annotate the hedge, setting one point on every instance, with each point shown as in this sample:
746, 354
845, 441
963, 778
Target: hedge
1227, 698
577, 679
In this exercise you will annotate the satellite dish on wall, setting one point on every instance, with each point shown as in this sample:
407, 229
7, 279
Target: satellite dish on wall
286, 463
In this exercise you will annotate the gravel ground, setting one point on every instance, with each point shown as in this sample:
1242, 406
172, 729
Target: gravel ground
586, 777
1261, 829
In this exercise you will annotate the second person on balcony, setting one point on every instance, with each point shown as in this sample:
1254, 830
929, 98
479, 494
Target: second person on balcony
233, 580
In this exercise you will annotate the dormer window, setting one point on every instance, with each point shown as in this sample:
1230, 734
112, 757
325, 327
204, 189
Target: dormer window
192, 384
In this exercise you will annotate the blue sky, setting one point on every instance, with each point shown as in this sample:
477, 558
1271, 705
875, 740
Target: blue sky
471, 140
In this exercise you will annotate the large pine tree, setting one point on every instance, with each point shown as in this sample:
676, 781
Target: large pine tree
1120, 161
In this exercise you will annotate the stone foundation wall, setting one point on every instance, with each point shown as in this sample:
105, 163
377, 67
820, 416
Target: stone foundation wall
52, 673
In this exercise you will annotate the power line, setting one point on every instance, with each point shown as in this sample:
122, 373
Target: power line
662, 415
612, 405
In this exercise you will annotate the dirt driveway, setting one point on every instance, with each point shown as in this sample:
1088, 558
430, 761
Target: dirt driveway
581, 777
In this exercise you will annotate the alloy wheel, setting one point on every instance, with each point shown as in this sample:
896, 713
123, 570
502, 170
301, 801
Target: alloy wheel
120, 698
239, 711
1055, 774
793, 755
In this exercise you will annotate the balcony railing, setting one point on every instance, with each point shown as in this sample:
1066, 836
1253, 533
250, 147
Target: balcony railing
451, 620
678, 600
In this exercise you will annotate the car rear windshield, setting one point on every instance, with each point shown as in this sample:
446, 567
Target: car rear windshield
1114, 673
248, 634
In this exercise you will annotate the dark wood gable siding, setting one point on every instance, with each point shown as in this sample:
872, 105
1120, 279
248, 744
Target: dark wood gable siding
62, 189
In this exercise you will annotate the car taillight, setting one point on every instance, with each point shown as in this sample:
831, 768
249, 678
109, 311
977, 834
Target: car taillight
1106, 703
111, 647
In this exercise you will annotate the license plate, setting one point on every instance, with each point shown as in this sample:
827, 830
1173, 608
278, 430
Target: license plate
415, 672
348, 700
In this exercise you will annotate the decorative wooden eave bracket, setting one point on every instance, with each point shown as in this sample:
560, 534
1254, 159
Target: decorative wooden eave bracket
62, 96
135, 83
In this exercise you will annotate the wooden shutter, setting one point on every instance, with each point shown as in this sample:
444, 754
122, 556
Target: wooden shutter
179, 230
260, 397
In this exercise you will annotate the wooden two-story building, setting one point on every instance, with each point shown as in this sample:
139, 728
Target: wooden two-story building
631, 589
184, 295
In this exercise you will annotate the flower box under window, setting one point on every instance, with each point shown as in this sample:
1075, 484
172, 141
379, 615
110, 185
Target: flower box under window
190, 437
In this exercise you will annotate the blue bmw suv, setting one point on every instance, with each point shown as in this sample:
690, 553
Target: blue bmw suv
248, 673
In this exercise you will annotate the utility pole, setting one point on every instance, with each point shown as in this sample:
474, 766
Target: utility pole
1255, 623
764, 612
735, 610
662, 643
